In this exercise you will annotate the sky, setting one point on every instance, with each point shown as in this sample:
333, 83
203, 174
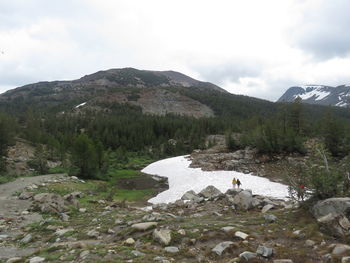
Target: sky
250, 47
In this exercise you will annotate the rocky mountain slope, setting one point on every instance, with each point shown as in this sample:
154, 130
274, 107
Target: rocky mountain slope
79, 225
156, 92
319, 94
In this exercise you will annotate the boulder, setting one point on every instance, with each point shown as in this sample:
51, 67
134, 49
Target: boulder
49, 203
163, 236
270, 218
228, 229
266, 208
210, 192
233, 191
25, 195
334, 224
221, 247
331, 205
172, 249
28, 238
36, 260
192, 196
129, 242
264, 251
241, 235
248, 255
340, 249
243, 200
144, 226
283, 261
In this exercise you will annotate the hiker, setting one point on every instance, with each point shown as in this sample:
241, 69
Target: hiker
234, 182
301, 192
238, 183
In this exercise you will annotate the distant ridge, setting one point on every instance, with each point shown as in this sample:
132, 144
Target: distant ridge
319, 94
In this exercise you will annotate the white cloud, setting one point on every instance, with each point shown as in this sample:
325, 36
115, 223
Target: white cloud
251, 47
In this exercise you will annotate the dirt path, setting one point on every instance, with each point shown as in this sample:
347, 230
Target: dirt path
12, 217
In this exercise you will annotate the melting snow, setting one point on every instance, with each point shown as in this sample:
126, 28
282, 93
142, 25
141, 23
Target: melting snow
82, 104
181, 179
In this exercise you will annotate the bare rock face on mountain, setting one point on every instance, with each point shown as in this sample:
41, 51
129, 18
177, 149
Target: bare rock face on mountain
319, 94
155, 92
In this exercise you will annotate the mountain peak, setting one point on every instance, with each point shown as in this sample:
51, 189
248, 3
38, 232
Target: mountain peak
319, 94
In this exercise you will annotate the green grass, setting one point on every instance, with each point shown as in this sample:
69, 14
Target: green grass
6, 178
132, 195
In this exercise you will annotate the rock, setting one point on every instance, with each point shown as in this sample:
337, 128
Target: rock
61, 232
339, 206
26, 239
266, 208
241, 235
137, 253
310, 243
210, 192
64, 217
340, 249
144, 226
172, 249
129, 242
163, 236
93, 233
243, 200
264, 251
334, 224
248, 255
49, 203
228, 229
270, 218
84, 254
14, 260
25, 195
233, 191
182, 232
82, 210
2, 237
192, 196
345, 260
221, 247
36, 260
283, 261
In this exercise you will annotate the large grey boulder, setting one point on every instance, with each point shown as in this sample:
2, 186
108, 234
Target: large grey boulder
192, 196
332, 205
221, 247
210, 192
340, 249
243, 200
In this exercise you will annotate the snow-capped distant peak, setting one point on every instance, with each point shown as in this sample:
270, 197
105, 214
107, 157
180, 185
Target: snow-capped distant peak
317, 92
80, 105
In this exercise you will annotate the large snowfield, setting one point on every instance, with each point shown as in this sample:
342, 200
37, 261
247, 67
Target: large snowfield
181, 179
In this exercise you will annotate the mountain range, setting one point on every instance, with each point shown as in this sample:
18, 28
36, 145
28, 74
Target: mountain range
319, 94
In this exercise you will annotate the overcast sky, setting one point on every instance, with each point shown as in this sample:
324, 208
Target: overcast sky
251, 47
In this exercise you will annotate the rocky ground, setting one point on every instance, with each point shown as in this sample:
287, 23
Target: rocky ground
75, 222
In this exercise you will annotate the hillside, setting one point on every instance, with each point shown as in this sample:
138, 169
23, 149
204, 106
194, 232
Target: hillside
319, 94
156, 92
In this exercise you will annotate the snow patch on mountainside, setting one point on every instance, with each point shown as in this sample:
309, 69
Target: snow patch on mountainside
317, 92
80, 105
182, 178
